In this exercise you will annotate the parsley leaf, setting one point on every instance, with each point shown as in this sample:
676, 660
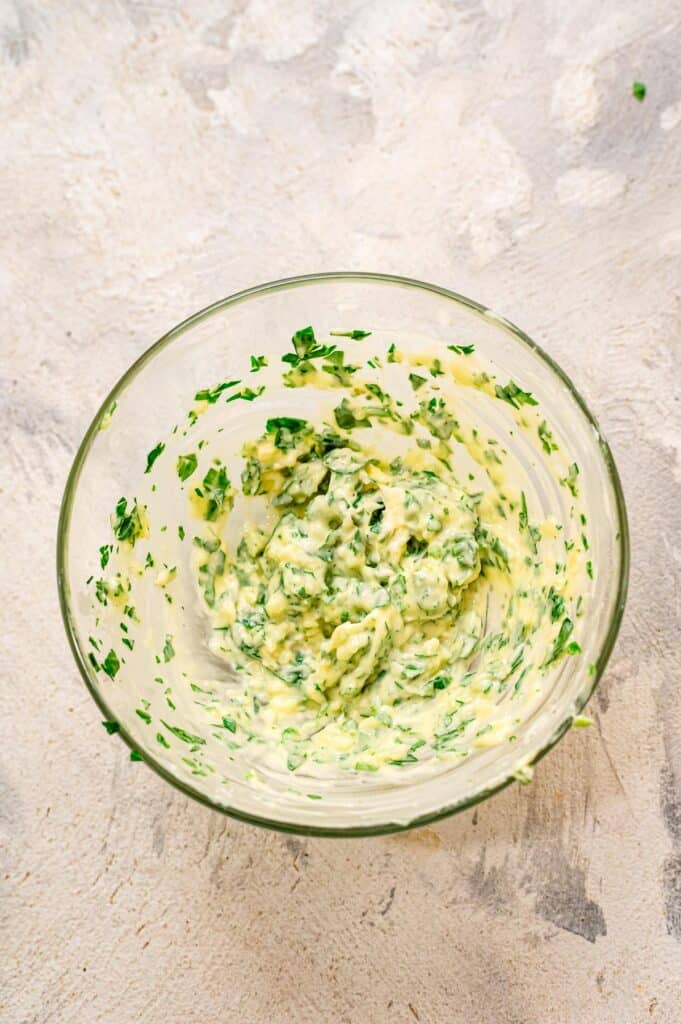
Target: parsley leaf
186, 737
247, 394
168, 649
462, 350
111, 664
126, 525
257, 363
111, 727
546, 438
135, 755
560, 644
104, 553
570, 481
522, 515
306, 348
186, 464
416, 381
215, 487
355, 335
211, 395
346, 418
153, 455
337, 369
514, 395
638, 91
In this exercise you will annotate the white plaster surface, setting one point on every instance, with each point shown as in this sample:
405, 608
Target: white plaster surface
158, 155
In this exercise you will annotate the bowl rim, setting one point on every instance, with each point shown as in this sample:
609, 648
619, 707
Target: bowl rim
283, 284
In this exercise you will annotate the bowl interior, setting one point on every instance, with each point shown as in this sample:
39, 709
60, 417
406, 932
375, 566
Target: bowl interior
150, 404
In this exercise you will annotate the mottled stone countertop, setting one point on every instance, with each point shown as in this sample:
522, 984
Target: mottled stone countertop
159, 155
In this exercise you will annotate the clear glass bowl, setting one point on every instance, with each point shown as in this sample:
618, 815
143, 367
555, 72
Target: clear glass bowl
155, 394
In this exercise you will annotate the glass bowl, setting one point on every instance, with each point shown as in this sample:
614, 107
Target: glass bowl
153, 397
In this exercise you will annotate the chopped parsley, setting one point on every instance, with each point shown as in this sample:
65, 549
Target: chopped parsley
546, 438
355, 335
561, 645
211, 395
416, 381
186, 737
638, 91
168, 649
153, 455
127, 525
186, 464
247, 394
215, 489
570, 481
305, 348
514, 395
347, 418
135, 755
462, 350
104, 553
257, 363
111, 664
111, 727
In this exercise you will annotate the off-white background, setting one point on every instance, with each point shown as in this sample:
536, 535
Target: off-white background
158, 155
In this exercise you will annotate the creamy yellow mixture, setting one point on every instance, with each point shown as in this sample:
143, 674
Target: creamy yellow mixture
358, 613
379, 610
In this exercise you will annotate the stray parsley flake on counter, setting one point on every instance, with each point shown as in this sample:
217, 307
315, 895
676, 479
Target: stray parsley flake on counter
638, 91
111, 727
257, 363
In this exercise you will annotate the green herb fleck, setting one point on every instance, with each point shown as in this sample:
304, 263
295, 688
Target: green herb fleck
514, 395
257, 363
638, 91
561, 645
462, 350
247, 394
168, 649
546, 438
570, 481
160, 738
144, 715
127, 525
111, 664
186, 464
215, 487
355, 335
346, 417
135, 755
416, 381
211, 395
111, 727
104, 553
153, 455
229, 723
186, 737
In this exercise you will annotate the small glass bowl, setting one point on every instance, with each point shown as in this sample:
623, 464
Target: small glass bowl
155, 393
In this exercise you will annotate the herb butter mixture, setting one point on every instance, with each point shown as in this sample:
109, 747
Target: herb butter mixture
378, 609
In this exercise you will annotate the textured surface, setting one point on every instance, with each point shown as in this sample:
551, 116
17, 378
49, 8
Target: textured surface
157, 156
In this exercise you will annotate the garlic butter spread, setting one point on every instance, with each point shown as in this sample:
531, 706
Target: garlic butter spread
390, 596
